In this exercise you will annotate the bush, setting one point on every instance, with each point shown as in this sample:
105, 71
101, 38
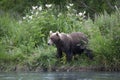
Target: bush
105, 40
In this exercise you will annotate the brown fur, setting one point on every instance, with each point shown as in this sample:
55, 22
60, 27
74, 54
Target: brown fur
71, 44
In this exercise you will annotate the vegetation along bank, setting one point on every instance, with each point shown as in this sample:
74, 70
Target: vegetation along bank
23, 40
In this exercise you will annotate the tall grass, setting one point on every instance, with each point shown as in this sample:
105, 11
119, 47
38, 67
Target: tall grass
105, 40
23, 42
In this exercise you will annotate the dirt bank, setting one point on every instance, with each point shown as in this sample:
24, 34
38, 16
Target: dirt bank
25, 68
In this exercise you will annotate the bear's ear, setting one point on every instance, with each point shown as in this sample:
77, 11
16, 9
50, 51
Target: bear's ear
57, 33
50, 32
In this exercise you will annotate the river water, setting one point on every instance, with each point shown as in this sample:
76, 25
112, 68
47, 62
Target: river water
60, 76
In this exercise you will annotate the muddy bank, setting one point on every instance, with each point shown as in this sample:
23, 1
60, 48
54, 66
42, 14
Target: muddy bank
25, 68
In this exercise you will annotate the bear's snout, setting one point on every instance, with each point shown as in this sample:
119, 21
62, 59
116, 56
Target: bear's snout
50, 42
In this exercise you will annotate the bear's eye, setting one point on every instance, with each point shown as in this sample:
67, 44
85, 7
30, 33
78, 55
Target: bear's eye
51, 38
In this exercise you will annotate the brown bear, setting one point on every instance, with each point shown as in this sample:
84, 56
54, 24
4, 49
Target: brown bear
71, 44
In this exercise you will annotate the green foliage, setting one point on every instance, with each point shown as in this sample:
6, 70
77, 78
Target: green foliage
106, 43
23, 41
18, 6
91, 6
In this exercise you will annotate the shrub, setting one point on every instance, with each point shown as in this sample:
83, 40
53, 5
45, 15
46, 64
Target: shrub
105, 40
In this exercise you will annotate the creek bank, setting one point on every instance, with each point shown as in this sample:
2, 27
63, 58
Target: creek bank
25, 68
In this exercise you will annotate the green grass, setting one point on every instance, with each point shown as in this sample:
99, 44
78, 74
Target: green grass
24, 42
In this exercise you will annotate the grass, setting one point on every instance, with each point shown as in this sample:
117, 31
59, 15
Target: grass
23, 42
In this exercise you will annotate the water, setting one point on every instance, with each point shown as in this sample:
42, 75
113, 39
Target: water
61, 76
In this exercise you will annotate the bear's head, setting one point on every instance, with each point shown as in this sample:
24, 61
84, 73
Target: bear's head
54, 38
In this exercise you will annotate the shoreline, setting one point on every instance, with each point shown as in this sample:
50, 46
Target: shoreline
55, 69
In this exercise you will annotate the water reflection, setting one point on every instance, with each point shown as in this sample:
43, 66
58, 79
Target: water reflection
61, 76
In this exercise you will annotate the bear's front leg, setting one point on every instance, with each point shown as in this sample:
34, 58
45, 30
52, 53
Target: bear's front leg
69, 56
59, 53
